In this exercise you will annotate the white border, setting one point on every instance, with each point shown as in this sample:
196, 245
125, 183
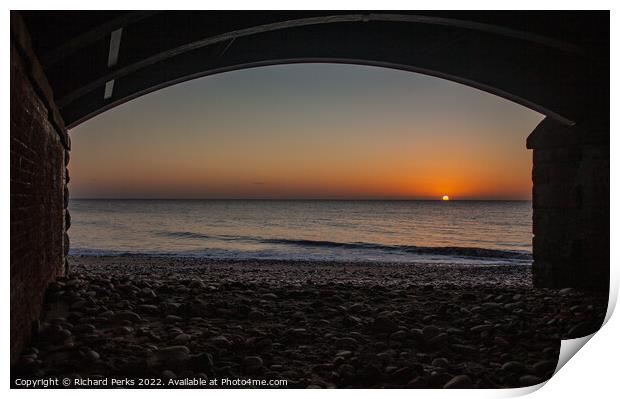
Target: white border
591, 373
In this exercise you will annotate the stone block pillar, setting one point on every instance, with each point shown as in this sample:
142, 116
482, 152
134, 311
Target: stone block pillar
571, 204
39, 155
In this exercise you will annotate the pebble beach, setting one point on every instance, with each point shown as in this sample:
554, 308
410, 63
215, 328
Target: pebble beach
311, 324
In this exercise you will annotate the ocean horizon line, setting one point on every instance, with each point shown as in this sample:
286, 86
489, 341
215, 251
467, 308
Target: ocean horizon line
302, 199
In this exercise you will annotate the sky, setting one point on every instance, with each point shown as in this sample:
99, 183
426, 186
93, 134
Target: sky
328, 131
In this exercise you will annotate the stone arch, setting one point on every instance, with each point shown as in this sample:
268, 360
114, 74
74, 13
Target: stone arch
69, 66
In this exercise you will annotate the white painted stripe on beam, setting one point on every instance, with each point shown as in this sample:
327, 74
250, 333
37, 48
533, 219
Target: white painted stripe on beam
115, 45
109, 87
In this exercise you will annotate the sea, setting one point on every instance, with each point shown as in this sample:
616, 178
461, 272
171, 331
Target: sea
447, 232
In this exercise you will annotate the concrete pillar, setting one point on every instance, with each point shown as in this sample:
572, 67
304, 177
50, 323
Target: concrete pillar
571, 204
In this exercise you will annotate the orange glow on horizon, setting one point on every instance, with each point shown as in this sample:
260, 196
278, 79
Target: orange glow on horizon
307, 132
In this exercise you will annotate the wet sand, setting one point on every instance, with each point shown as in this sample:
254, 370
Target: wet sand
313, 324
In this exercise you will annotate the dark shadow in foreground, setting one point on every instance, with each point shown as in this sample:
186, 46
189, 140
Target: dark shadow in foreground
311, 324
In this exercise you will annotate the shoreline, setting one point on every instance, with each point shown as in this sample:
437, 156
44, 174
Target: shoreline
465, 275
315, 324
197, 261
394, 254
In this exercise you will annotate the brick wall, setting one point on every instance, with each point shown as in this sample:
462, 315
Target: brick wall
571, 204
38, 147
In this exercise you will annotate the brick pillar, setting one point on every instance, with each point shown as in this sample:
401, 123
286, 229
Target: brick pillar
39, 153
571, 204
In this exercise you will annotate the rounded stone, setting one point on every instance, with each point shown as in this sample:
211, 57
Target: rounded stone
128, 315
441, 362
92, 356
169, 374
459, 382
169, 355
182, 338
399, 335
514, 367
221, 341
544, 367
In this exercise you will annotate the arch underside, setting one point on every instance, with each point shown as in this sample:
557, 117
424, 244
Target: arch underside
546, 75
128, 96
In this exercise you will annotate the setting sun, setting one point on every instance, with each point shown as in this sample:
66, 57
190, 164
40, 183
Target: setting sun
445, 198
